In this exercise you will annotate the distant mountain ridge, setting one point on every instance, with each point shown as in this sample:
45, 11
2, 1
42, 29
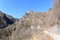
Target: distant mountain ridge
6, 20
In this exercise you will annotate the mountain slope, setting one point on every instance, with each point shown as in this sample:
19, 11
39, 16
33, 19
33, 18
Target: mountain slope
6, 20
34, 25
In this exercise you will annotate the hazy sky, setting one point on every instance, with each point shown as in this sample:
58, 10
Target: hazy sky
17, 8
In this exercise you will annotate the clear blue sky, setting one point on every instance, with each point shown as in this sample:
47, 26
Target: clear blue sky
17, 8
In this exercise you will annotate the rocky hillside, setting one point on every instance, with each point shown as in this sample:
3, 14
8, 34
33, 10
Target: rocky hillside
31, 21
35, 26
6, 20
31, 27
39, 26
